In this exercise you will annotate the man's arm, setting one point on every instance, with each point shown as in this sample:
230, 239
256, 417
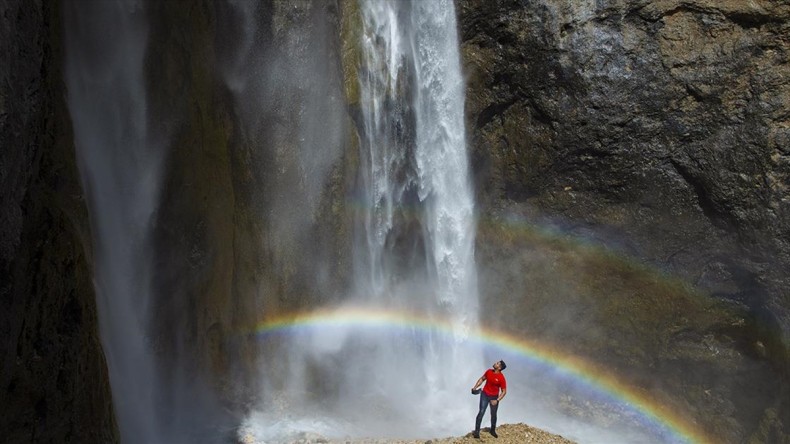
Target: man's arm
501, 395
479, 381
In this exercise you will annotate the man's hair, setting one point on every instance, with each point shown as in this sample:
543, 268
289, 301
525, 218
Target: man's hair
502, 363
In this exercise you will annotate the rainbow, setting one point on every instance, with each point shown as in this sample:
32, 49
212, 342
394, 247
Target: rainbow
579, 370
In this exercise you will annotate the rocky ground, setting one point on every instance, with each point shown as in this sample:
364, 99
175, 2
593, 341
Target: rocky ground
507, 434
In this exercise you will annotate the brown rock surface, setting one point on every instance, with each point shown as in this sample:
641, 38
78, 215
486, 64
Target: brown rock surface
631, 167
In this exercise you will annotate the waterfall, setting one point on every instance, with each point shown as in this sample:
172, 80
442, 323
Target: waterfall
413, 252
419, 224
415, 167
415, 238
120, 164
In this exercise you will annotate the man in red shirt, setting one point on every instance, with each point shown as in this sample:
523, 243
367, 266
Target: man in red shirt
493, 392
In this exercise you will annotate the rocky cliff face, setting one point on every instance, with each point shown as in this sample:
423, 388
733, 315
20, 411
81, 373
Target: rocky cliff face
53, 378
657, 132
250, 223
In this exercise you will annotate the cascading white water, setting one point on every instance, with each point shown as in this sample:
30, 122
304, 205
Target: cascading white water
415, 253
415, 172
119, 164
413, 78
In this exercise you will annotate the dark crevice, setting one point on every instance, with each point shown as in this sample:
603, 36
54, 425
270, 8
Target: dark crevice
749, 20
708, 206
592, 152
540, 115
695, 93
491, 111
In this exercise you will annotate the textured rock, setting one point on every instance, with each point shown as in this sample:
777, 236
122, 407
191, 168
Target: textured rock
289, 109
204, 232
53, 379
251, 222
581, 108
507, 434
658, 131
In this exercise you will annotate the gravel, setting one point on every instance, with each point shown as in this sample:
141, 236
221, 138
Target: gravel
508, 434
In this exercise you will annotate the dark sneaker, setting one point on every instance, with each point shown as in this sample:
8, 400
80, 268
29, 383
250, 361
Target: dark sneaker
476, 434
493, 433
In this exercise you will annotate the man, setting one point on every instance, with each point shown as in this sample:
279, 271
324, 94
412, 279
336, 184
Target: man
493, 392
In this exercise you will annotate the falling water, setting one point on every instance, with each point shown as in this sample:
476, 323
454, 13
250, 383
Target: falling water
119, 164
416, 234
414, 148
414, 250
419, 224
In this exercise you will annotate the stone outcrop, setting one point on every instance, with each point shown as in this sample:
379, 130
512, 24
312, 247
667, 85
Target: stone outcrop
656, 133
53, 378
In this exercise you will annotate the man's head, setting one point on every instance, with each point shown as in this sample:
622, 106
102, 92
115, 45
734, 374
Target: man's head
500, 365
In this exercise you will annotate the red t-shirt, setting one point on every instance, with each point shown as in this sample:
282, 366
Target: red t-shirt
494, 382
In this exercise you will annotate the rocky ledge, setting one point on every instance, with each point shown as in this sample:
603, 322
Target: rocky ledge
506, 434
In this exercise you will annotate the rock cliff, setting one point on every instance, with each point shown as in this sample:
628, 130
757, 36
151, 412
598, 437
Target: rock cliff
53, 377
653, 133
250, 223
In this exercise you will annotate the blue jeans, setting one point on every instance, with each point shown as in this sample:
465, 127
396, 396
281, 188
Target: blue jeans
485, 400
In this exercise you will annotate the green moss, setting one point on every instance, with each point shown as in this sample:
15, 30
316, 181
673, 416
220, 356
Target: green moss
195, 234
351, 38
770, 430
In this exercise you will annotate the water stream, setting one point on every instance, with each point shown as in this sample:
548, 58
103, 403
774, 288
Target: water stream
419, 223
120, 164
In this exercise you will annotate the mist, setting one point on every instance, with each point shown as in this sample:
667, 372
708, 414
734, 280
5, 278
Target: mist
120, 161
